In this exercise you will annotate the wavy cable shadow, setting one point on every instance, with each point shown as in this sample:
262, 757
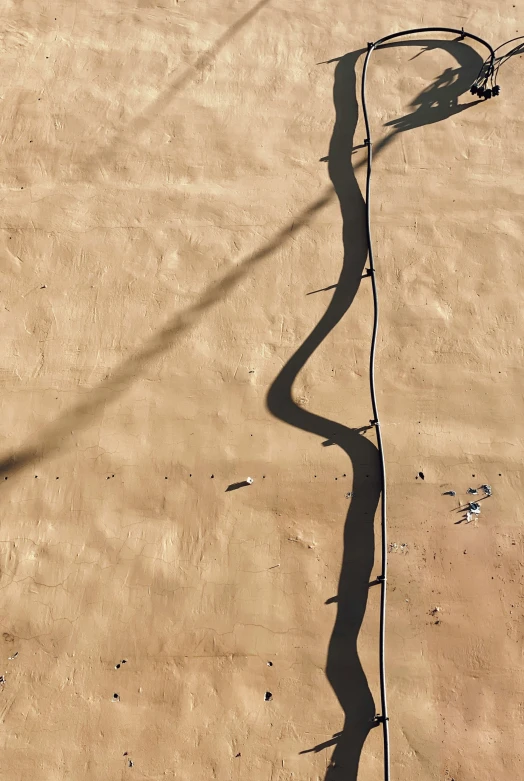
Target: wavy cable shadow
343, 668
57, 434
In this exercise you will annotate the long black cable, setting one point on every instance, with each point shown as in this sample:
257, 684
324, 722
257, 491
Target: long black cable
383, 718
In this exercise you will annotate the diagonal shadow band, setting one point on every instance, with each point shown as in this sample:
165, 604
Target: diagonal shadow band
55, 435
166, 96
344, 669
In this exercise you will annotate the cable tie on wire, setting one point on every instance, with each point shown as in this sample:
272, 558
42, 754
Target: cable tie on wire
381, 578
368, 142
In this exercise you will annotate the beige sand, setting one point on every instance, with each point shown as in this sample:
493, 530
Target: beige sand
165, 219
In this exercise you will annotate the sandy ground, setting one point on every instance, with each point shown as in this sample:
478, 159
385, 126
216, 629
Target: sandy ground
182, 307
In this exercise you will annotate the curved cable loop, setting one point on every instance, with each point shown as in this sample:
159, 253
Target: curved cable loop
384, 718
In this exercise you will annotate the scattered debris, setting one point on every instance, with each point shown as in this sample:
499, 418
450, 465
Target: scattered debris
117, 666
268, 696
116, 697
449, 493
13, 656
349, 494
130, 763
238, 755
393, 546
474, 508
241, 484
2, 679
421, 475
472, 491
434, 611
270, 664
487, 489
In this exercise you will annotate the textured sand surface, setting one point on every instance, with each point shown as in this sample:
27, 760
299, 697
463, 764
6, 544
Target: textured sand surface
182, 307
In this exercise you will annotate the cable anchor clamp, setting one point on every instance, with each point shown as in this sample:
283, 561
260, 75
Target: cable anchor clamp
462, 35
371, 44
381, 578
380, 719
375, 422
368, 142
